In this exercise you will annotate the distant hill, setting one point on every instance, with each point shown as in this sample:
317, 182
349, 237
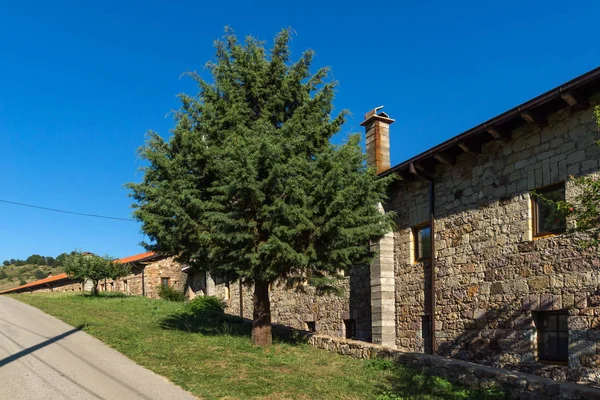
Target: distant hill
14, 275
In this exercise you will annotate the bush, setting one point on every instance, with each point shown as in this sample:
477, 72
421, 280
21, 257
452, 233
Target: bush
206, 305
39, 274
170, 294
3, 274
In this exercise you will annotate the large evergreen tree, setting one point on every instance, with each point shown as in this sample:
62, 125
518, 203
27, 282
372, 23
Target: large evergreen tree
249, 186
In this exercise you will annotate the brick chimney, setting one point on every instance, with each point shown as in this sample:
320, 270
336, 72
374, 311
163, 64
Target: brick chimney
377, 127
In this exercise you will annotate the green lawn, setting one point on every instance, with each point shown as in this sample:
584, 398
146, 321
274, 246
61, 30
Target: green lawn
212, 357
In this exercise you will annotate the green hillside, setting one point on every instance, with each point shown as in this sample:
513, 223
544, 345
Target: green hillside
16, 275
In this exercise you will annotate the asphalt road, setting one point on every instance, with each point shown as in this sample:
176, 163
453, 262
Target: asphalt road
44, 358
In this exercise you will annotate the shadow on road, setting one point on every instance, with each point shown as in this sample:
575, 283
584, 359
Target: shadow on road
38, 346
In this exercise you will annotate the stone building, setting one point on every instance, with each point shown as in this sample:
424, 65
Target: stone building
149, 271
478, 268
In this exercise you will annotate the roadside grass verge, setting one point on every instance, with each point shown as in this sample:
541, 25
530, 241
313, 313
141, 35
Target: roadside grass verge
211, 355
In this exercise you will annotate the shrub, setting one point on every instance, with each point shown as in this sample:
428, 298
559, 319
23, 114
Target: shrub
3, 274
206, 305
39, 274
170, 294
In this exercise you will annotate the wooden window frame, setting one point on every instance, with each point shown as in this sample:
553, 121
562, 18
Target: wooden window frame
414, 231
535, 211
168, 281
539, 318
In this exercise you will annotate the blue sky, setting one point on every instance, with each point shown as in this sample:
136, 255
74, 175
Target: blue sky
81, 84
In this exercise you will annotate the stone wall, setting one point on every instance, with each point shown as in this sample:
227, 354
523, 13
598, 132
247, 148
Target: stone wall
65, 286
492, 276
332, 314
516, 385
153, 273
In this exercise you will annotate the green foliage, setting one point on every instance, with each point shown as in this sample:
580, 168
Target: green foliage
22, 281
88, 266
3, 274
585, 208
170, 294
36, 259
39, 274
249, 185
6, 263
206, 304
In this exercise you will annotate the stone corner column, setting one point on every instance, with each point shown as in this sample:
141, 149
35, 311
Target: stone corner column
383, 289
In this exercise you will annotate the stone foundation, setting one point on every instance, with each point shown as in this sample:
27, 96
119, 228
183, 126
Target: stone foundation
516, 385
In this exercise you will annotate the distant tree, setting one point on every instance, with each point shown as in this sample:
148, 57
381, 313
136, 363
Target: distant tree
60, 259
36, 259
50, 261
12, 260
39, 274
19, 263
249, 185
91, 267
6, 263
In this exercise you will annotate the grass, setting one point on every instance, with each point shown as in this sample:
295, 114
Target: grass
211, 355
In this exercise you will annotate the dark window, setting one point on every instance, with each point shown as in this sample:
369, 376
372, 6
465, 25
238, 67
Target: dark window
311, 326
422, 239
553, 336
164, 282
546, 218
426, 333
350, 325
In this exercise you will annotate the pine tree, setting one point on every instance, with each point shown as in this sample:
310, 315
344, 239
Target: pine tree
249, 186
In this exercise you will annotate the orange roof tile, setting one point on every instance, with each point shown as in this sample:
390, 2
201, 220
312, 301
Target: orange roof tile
124, 260
38, 282
137, 257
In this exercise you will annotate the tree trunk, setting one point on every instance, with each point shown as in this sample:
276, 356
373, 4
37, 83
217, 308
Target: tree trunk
261, 325
94, 288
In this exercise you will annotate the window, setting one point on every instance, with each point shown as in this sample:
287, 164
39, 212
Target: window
350, 326
553, 336
126, 287
310, 326
546, 219
426, 333
164, 282
422, 241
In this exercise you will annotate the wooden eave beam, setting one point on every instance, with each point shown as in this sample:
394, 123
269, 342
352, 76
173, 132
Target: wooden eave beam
499, 134
575, 101
404, 176
470, 147
569, 98
533, 118
445, 158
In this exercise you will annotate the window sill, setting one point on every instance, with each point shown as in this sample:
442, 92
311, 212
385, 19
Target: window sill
547, 235
550, 362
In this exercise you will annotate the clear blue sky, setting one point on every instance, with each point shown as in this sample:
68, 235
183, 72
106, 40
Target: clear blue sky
81, 84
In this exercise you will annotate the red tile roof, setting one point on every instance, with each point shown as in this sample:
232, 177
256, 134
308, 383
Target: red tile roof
49, 279
138, 257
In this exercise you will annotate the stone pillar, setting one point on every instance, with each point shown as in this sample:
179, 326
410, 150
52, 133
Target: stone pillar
383, 292
377, 128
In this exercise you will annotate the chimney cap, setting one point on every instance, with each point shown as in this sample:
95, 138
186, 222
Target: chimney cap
382, 116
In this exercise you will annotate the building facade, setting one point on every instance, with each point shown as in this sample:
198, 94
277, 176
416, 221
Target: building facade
484, 270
